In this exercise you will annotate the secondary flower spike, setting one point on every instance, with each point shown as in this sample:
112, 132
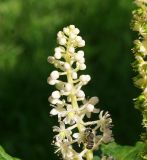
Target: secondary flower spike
139, 24
76, 136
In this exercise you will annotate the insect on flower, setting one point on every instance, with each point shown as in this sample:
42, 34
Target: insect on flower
89, 138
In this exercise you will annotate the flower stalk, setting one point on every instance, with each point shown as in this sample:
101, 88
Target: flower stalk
77, 136
139, 24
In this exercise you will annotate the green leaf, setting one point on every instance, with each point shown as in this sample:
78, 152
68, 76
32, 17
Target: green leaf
5, 156
123, 152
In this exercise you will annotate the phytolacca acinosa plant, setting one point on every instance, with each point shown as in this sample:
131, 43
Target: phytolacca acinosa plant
139, 24
76, 137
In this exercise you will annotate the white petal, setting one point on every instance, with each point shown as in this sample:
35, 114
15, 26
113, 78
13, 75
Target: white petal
90, 107
76, 135
96, 110
88, 114
56, 129
94, 100
54, 111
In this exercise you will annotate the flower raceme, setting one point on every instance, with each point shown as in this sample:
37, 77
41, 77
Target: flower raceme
139, 24
69, 102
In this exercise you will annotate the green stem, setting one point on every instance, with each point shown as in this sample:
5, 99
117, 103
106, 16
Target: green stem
80, 126
89, 155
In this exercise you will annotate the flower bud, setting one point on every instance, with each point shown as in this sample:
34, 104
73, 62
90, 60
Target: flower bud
82, 60
54, 75
66, 65
62, 41
58, 55
74, 75
66, 30
71, 49
72, 27
82, 66
59, 49
78, 39
68, 87
51, 81
79, 57
80, 94
51, 59
56, 94
76, 31
80, 53
60, 34
52, 100
72, 36
81, 44
53, 112
85, 78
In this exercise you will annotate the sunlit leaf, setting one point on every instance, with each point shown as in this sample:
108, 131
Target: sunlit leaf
5, 156
122, 152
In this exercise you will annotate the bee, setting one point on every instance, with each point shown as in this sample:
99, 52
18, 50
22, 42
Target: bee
89, 138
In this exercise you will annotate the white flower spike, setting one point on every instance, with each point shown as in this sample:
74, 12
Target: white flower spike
69, 101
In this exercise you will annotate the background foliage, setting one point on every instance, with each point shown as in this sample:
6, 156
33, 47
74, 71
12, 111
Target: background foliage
28, 36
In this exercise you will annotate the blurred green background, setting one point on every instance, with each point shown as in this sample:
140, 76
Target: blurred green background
28, 31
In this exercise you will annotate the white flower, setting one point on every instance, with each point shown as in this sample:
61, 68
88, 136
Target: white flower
104, 120
65, 149
66, 99
71, 115
59, 111
90, 107
63, 132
